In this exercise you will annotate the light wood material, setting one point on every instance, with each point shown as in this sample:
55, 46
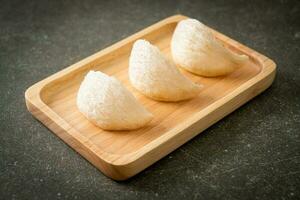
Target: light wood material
123, 154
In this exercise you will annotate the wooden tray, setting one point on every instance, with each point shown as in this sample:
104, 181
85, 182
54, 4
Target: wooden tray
123, 154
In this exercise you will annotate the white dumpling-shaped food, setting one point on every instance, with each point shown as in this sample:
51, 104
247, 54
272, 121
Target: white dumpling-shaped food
108, 104
195, 49
157, 78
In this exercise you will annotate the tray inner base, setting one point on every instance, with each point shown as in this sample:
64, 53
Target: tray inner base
62, 99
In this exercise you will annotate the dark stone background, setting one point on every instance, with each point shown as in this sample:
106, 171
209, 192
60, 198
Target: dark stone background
251, 154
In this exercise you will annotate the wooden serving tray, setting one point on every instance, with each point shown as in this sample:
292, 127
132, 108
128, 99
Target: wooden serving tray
122, 154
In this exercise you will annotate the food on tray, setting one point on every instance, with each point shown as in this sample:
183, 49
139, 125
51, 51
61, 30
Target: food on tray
156, 77
108, 104
195, 49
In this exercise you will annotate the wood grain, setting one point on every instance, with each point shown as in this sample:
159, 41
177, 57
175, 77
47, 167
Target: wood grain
122, 154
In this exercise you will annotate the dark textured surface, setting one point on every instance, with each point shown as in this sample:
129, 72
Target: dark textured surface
254, 153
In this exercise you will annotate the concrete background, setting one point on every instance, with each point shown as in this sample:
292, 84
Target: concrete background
251, 154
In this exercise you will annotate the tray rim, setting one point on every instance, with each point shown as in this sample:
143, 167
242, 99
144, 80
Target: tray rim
113, 164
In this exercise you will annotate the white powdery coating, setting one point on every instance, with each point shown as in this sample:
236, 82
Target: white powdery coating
154, 76
195, 49
108, 104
